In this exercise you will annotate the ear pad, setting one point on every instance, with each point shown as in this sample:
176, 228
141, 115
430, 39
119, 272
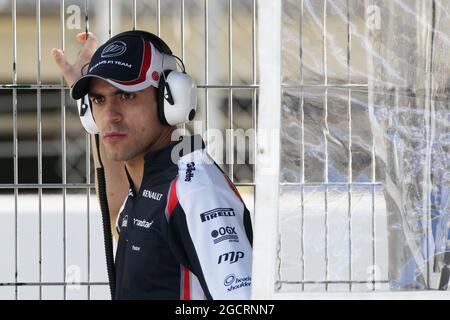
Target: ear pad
85, 113
177, 98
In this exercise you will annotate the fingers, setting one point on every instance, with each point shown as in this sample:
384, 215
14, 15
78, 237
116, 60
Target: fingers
67, 70
90, 37
59, 58
73, 72
81, 37
90, 44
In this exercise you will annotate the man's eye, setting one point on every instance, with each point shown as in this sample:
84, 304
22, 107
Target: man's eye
97, 100
127, 95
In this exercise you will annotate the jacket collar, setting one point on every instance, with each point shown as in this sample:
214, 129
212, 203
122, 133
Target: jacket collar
157, 161
169, 155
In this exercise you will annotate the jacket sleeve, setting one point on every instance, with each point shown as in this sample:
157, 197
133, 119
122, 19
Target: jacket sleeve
210, 232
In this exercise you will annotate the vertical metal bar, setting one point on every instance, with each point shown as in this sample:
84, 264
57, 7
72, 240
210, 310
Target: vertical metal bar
373, 182
373, 198
326, 131
86, 16
182, 32
39, 133
373, 179
64, 181
88, 159
182, 44
254, 117
158, 18
373, 212
133, 14
373, 228
267, 185
430, 113
88, 216
350, 159
373, 206
206, 72
254, 97
230, 95
110, 31
63, 145
302, 148
15, 146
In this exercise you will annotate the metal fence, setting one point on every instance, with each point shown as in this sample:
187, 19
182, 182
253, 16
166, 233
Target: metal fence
332, 90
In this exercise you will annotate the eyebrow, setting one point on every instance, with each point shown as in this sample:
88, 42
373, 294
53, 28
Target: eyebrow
116, 92
96, 94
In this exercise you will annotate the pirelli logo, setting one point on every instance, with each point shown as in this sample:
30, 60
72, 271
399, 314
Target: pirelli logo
218, 212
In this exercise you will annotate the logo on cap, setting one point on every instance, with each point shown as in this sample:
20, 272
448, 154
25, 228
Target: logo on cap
114, 49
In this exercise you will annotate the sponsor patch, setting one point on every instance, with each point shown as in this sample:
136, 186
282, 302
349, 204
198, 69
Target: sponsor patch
231, 257
232, 282
225, 233
215, 213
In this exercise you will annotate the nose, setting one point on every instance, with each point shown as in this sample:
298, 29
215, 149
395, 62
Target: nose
112, 112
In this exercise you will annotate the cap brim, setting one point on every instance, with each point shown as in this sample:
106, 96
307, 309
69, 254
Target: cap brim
81, 87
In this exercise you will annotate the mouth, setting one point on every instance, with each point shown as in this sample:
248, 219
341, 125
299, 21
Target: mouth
113, 136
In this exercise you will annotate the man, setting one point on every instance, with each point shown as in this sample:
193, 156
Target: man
183, 230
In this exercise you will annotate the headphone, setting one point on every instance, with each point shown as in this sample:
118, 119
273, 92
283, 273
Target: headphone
176, 92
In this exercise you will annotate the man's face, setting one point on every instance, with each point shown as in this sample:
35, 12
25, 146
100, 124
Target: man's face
128, 122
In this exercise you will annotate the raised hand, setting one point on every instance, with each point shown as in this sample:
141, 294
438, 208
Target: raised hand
72, 72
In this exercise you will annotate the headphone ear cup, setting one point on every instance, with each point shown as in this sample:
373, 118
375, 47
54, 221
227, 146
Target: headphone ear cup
177, 98
86, 117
